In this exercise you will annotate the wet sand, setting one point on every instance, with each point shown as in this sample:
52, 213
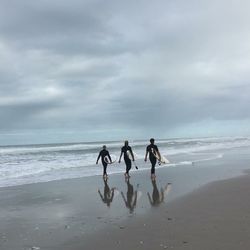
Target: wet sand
216, 216
189, 207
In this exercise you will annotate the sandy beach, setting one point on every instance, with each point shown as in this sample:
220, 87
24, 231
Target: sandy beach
204, 206
215, 217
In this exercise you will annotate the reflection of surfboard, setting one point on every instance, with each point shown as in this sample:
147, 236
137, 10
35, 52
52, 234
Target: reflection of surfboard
139, 195
107, 160
116, 193
162, 160
131, 157
167, 188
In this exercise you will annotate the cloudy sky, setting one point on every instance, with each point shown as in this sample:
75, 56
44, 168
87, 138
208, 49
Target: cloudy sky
87, 70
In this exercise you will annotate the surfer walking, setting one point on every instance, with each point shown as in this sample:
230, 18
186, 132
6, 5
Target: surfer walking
153, 151
126, 150
104, 155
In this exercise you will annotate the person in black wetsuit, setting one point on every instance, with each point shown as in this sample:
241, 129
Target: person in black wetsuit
152, 150
126, 150
104, 153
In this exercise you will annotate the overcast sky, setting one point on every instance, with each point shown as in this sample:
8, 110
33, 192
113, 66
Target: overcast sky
86, 70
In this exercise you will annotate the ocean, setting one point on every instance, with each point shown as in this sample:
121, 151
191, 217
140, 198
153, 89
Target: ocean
27, 164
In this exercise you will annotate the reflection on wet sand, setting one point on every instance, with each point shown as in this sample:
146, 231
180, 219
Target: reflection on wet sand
108, 194
158, 197
131, 200
132, 196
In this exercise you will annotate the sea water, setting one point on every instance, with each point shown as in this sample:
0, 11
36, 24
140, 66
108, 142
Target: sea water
26, 164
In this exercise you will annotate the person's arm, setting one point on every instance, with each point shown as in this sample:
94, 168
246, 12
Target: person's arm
146, 155
112, 195
135, 199
158, 152
149, 198
120, 157
109, 157
101, 195
98, 158
133, 158
123, 197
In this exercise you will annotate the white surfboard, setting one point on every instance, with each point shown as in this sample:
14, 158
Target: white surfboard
130, 155
162, 160
113, 158
131, 158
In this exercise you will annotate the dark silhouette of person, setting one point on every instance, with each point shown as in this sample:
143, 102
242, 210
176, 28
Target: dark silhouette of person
104, 154
108, 194
131, 200
158, 197
152, 150
127, 150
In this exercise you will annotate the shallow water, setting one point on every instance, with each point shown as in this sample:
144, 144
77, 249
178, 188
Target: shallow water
41, 163
48, 214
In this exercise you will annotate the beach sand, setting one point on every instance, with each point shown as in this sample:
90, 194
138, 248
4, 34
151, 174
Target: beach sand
204, 206
215, 217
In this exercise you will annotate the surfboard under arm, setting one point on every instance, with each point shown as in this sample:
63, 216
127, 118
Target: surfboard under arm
107, 160
131, 158
161, 159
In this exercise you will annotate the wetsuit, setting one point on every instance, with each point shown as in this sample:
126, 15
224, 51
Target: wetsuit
104, 153
128, 162
152, 149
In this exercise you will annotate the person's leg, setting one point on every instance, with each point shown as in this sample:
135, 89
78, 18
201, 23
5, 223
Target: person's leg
128, 166
153, 163
104, 168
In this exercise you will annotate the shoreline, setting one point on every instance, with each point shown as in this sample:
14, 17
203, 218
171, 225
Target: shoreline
67, 214
179, 161
48, 167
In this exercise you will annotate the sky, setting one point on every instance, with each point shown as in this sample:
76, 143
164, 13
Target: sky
93, 70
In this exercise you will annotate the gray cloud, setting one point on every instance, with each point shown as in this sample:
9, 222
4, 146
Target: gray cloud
132, 66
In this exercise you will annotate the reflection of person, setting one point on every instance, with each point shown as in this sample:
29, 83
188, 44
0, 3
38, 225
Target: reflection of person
103, 154
152, 150
131, 197
158, 197
126, 149
108, 194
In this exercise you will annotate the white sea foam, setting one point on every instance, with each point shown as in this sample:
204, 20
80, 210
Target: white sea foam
39, 163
